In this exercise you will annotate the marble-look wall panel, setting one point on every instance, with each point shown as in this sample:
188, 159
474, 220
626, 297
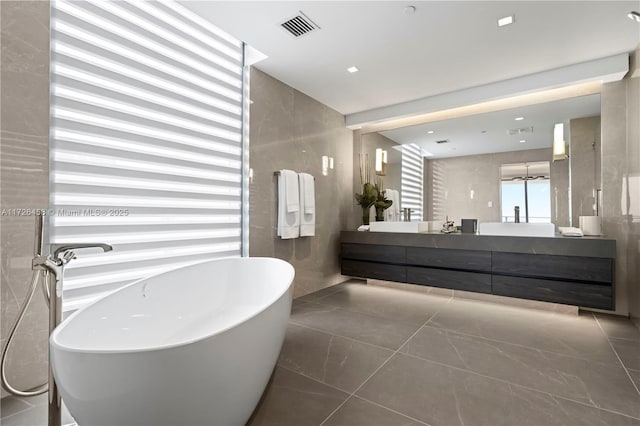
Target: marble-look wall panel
632, 195
462, 187
289, 130
584, 156
24, 177
620, 164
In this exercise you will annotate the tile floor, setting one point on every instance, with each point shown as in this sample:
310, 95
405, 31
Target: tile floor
357, 354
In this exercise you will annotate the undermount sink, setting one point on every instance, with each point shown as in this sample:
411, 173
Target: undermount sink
413, 227
517, 229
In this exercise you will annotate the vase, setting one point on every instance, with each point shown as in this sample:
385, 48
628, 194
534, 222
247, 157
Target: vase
379, 214
366, 211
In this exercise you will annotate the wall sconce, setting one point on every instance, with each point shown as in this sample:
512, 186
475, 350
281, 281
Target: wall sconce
327, 164
559, 147
381, 162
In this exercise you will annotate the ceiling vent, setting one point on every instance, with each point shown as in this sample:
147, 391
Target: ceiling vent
442, 141
520, 131
299, 25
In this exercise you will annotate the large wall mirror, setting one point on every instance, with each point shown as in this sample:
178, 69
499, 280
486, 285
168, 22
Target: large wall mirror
476, 166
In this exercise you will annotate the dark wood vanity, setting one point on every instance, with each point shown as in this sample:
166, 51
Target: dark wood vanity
573, 271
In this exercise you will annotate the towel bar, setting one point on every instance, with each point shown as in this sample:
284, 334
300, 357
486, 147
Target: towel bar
277, 173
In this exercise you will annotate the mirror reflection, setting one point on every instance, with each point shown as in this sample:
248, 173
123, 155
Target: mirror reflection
467, 161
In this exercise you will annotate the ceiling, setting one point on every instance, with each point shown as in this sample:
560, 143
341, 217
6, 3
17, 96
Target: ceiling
444, 46
465, 134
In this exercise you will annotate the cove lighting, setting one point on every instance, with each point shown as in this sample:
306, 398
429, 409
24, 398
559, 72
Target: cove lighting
507, 20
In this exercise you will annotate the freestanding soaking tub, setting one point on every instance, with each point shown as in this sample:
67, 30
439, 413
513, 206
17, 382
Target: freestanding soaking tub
193, 346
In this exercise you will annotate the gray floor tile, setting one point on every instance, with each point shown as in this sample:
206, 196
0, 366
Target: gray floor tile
358, 412
388, 303
365, 328
337, 361
578, 336
36, 416
295, 400
618, 327
601, 385
635, 376
441, 395
12, 405
328, 290
628, 351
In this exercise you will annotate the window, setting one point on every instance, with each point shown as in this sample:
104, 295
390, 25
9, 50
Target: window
412, 182
527, 186
147, 141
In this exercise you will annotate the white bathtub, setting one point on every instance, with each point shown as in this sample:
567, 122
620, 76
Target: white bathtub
193, 346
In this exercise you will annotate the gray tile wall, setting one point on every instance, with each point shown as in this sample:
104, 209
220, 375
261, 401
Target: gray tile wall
450, 182
289, 130
633, 137
620, 162
24, 177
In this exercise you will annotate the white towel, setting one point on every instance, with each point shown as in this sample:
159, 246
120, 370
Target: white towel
388, 213
288, 198
396, 203
307, 205
567, 231
291, 190
392, 214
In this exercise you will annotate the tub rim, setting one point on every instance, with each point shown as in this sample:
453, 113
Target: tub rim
60, 328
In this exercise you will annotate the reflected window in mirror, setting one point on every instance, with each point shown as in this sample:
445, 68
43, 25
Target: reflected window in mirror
412, 180
525, 192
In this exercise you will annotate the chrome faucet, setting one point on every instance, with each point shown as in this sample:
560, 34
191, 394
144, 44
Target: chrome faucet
56, 249
54, 263
406, 214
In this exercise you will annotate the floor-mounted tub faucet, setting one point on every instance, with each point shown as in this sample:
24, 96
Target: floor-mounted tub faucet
43, 266
516, 213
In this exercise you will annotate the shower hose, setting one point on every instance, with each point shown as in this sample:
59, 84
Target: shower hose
37, 276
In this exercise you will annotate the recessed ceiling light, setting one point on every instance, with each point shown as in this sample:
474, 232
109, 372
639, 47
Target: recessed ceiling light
507, 20
522, 141
519, 118
634, 15
353, 69
409, 10
430, 132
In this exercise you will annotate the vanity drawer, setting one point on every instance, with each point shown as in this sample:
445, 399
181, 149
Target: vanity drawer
572, 268
374, 253
457, 280
380, 271
470, 260
565, 292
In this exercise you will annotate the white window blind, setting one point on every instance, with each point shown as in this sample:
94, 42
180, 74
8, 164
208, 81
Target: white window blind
412, 183
147, 141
